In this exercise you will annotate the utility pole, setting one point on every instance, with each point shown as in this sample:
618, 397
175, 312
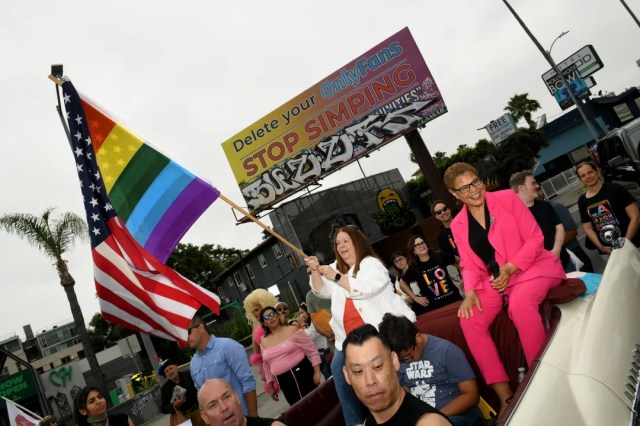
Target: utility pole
428, 167
595, 130
624, 3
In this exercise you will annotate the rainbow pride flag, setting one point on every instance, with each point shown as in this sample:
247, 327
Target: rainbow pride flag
157, 198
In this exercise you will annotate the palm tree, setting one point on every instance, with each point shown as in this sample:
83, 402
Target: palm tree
55, 236
520, 106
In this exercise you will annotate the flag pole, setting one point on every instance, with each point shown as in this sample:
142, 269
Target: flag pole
26, 410
262, 225
284, 241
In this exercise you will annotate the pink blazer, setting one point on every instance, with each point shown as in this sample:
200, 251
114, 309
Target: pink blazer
516, 238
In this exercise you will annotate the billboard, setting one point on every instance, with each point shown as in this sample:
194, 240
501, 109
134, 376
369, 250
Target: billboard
586, 61
501, 128
578, 87
364, 105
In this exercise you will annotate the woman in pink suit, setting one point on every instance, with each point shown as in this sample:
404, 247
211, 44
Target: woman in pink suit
504, 264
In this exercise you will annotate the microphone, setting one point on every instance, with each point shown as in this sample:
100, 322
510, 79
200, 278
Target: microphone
494, 268
495, 271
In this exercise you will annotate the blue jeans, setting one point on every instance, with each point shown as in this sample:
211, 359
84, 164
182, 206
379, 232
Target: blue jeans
470, 418
352, 409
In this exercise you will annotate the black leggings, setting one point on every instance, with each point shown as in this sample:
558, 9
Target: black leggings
297, 382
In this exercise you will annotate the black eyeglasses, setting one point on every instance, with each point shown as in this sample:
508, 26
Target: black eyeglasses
420, 244
442, 210
282, 308
268, 316
398, 259
465, 188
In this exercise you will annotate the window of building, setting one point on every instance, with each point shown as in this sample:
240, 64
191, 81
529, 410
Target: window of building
262, 260
65, 359
294, 261
40, 370
249, 271
239, 282
221, 292
230, 281
277, 250
5, 371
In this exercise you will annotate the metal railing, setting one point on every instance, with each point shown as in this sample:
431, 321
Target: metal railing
559, 183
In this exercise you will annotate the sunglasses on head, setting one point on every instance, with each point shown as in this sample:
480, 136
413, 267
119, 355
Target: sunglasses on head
268, 316
442, 210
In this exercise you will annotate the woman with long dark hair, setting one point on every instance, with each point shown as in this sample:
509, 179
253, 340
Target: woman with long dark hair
289, 355
90, 409
429, 271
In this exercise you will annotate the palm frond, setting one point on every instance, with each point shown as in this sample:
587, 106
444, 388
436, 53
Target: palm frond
51, 237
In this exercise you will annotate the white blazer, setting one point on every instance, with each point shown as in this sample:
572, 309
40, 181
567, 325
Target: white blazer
370, 294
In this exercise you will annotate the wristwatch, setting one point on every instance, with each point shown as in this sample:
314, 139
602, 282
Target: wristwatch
337, 277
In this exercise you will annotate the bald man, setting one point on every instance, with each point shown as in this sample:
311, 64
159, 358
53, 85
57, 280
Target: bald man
220, 406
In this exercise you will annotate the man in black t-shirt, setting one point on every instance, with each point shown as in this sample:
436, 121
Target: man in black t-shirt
525, 185
220, 406
371, 368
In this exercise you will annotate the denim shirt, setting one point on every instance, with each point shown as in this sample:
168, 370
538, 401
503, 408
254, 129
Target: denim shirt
224, 359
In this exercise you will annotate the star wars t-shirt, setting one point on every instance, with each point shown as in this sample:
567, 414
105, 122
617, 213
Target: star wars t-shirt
435, 377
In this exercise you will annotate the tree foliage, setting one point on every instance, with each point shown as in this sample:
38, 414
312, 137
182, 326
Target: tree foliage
520, 106
103, 334
518, 152
201, 264
55, 236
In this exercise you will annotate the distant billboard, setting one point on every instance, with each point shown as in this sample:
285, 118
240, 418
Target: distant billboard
586, 61
364, 105
501, 128
578, 87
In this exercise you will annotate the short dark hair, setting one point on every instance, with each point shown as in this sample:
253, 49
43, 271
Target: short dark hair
519, 178
400, 332
360, 335
435, 203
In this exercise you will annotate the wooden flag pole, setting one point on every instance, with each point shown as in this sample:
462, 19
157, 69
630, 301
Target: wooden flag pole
265, 227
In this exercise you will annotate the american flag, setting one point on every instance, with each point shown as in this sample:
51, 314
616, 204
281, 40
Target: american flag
135, 289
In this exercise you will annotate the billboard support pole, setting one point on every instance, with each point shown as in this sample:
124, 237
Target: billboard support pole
262, 225
595, 131
428, 167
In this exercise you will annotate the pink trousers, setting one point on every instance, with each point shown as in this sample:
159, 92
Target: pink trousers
524, 299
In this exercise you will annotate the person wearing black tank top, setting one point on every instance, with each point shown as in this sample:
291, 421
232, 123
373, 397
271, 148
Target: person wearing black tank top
371, 368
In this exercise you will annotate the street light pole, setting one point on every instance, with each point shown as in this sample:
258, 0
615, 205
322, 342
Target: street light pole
596, 133
624, 3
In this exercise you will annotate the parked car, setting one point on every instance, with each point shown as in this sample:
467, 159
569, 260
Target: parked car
619, 153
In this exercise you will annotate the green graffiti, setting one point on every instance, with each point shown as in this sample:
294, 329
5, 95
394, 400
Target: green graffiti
394, 215
62, 374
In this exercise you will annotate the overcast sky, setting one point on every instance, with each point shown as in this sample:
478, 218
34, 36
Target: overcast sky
188, 75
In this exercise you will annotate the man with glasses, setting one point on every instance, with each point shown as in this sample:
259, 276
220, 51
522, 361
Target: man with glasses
222, 358
434, 370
